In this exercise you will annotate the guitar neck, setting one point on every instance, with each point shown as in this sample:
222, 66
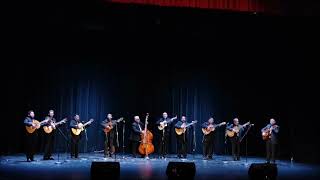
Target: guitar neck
190, 124
85, 124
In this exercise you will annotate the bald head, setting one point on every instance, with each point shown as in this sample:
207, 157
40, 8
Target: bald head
236, 121
272, 121
164, 115
137, 119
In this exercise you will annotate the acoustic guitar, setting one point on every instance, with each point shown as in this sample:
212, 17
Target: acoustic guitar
180, 131
235, 130
108, 126
164, 124
266, 134
211, 128
49, 129
35, 125
77, 131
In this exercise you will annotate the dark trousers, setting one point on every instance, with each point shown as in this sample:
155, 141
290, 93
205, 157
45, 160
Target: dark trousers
31, 142
271, 150
49, 140
182, 145
75, 145
109, 147
208, 145
134, 148
235, 144
163, 144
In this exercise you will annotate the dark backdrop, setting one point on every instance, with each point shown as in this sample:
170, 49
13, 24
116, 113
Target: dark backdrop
199, 63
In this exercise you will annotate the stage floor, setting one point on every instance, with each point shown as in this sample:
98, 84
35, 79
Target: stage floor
221, 167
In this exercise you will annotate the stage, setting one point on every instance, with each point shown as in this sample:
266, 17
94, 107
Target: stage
221, 167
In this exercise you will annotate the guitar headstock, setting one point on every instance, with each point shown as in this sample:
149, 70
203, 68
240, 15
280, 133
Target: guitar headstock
193, 122
64, 120
174, 117
91, 120
223, 123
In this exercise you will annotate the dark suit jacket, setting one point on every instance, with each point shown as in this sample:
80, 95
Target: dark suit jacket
135, 131
274, 133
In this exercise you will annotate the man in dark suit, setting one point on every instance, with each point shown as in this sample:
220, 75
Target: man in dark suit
235, 140
272, 140
109, 147
74, 123
182, 139
31, 138
49, 138
164, 134
135, 136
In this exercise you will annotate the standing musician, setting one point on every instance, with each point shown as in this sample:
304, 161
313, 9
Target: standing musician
237, 130
109, 147
74, 123
208, 137
31, 138
270, 134
135, 135
164, 132
182, 139
49, 137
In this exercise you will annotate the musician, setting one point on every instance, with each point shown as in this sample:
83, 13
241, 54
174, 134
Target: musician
164, 135
31, 138
272, 141
49, 137
74, 123
235, 140
182, 139
135, 136
208, 139
109, 147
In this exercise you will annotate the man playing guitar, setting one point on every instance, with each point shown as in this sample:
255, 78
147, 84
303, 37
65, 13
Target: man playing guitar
234, 131
270, 135
208, 129
164, 133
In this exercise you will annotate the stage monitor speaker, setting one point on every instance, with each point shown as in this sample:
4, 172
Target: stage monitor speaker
186, 170
263, 171
105, 170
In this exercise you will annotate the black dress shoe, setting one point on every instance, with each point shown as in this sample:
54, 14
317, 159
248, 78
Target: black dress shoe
28, 160
51, 158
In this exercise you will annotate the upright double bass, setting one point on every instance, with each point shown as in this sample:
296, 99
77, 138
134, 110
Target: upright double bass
146, 147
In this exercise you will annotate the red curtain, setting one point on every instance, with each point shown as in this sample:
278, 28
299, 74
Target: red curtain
234, 5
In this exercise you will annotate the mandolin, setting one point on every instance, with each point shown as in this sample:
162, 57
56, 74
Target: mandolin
49, 129
235, 130
77, 131
180, 131
35, 125
108, 126
211, 128
164, 124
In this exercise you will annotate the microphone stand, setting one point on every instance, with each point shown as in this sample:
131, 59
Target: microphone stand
245, 135
194, 141
117, 143
225, 142
123, 133
67, 146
